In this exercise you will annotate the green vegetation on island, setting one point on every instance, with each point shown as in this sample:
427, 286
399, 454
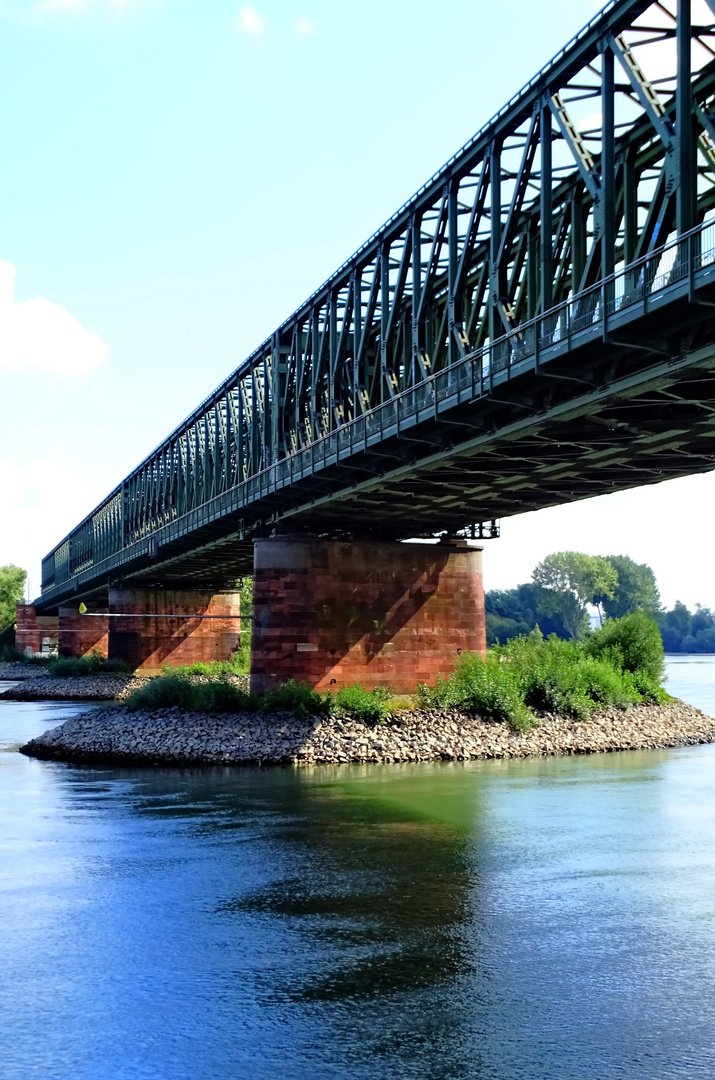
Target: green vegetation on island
220, 694
619, 665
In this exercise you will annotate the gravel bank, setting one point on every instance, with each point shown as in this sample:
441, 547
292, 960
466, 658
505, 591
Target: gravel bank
13, 669
169, 736
83, 688
44, 687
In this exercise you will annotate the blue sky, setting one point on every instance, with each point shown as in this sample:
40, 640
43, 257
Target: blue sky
178, 176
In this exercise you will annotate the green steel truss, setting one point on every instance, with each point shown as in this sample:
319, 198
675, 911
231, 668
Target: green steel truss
557, 270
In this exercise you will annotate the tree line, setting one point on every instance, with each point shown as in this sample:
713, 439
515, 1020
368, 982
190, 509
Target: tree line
566, 584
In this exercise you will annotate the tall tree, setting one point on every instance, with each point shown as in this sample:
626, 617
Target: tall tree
636, 589
12, 587
570, 581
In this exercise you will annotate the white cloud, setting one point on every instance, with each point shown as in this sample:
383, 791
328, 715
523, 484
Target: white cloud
304, 26
38, 334
248, 21
43, 501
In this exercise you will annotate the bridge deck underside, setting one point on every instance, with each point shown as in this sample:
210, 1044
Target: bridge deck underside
636, 413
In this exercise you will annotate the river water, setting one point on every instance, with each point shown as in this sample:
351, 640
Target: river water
518, 920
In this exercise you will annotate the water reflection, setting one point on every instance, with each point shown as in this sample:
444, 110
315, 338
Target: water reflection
386, 890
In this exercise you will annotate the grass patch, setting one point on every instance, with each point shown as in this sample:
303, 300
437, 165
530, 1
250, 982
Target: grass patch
177, 690
9, 654
221, 695
211, 669
65, 667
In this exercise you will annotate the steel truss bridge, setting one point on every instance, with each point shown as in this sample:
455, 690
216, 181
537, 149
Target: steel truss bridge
535, 325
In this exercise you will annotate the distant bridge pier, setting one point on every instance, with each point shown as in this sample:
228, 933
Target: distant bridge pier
152, 627
35, 632
78, 635
67, 632
332, 613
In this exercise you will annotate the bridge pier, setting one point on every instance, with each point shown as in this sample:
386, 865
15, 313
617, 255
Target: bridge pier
33, 630
80, 635
151, 627
333, 613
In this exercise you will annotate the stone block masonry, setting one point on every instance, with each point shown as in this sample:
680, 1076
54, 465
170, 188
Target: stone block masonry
80, 635
151, 627
332, 613
34, 633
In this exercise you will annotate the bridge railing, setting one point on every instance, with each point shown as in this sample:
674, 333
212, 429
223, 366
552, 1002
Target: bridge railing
104, 533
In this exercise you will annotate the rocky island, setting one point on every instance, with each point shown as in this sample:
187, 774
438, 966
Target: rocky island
176, 737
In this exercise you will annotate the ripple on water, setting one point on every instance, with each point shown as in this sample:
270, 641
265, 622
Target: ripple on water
487, 920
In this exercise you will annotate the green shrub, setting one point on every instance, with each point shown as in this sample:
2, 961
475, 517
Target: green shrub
295, 697
512, 683
223, 696
178, 691
577, 689
649, 689
485, 686
71, 666
9, 655
530, 674
163, 692
369, 706
633, 642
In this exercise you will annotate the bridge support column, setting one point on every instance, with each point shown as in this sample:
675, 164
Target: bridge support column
35, 633
332, 613
80, 635
151, 627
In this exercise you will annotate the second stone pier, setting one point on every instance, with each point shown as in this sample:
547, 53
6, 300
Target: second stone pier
152, 627
333, 613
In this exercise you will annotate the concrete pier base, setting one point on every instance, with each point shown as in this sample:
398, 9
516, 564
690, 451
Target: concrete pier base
151, 627
333, 613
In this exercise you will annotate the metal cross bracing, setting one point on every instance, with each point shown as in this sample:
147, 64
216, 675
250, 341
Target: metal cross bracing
530, 277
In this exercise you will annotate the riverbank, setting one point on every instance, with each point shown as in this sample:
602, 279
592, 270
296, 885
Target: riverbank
41, 686
15, 669
44, 687
170, 736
